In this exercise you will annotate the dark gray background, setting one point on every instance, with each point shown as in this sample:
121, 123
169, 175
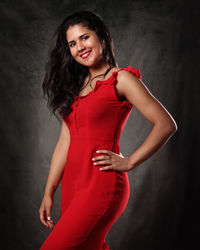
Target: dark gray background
157, 37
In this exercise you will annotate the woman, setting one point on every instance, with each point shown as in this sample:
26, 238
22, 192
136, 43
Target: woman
94, 97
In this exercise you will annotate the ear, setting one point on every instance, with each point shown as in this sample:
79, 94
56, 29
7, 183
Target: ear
103, 43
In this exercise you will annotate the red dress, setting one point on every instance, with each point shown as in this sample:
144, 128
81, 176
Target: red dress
92, 199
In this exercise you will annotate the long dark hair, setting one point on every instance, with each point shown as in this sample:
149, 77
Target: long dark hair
61, 82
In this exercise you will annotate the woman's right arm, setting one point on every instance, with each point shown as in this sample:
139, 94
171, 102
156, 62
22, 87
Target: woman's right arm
58, 160
55, 173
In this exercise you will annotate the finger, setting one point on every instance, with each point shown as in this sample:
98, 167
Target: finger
51, 224
101, 162
49, 218
102, 157
104, 151
43, 217
106, 168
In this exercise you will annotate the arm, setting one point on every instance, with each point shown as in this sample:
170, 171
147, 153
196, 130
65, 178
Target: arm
58, 160
134, 90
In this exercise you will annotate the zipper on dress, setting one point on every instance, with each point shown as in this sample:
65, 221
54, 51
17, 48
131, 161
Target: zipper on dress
75, 119
76, 124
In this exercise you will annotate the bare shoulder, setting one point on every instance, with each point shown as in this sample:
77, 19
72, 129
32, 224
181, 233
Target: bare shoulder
126, 81
132, 88
124, 75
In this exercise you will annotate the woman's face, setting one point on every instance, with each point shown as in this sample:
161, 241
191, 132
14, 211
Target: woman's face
84, 44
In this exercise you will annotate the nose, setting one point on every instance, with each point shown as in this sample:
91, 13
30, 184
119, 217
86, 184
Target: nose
80, 46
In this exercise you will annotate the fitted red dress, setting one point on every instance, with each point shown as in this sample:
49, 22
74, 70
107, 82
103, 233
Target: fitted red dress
92, 199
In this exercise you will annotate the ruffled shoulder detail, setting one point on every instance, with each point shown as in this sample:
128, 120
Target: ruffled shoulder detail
133, 71
112, 81
136, 72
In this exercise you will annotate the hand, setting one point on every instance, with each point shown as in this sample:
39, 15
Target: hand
45, 211
116, 161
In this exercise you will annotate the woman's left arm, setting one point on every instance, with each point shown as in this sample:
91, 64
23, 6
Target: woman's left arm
164, 127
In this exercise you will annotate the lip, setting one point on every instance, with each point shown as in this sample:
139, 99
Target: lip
88, 52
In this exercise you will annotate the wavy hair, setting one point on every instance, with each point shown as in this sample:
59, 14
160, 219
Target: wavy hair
61, 82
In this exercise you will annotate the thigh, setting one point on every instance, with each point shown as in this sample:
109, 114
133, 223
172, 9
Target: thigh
82, 224
87, 220
96, 238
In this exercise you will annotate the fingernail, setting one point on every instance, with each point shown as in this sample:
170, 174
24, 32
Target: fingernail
100, 169
97, 151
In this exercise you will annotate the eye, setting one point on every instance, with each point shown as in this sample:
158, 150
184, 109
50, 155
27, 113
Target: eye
71, 44
85, 37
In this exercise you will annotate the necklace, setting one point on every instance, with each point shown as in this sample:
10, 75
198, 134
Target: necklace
90, 80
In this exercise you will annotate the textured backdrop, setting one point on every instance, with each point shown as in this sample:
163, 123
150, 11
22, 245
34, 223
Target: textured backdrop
157, 37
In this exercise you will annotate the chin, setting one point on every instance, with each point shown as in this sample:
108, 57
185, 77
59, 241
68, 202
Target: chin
94, 62
88, 64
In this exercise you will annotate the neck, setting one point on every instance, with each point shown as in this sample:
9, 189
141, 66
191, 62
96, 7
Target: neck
98, 69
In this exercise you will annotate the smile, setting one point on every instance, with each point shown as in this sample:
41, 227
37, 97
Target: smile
86, 55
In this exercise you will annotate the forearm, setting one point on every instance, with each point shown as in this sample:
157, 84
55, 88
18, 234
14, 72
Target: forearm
158, 136
56, 167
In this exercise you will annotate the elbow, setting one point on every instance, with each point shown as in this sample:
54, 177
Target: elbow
170, 127
173, 127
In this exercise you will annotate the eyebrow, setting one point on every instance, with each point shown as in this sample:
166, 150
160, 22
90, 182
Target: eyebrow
79, 37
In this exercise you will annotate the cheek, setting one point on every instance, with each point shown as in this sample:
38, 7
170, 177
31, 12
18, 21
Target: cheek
93, 42
98, 48
73, 52
89, 43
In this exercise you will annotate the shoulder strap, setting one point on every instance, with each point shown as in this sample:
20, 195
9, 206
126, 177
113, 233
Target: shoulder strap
119, 70
136, 72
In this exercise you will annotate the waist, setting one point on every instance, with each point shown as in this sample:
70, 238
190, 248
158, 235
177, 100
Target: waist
93, 137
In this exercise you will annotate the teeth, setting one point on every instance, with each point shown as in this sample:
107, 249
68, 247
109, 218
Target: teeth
85, 54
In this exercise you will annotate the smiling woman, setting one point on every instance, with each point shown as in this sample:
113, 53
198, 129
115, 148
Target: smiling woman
93, 117
82, 46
